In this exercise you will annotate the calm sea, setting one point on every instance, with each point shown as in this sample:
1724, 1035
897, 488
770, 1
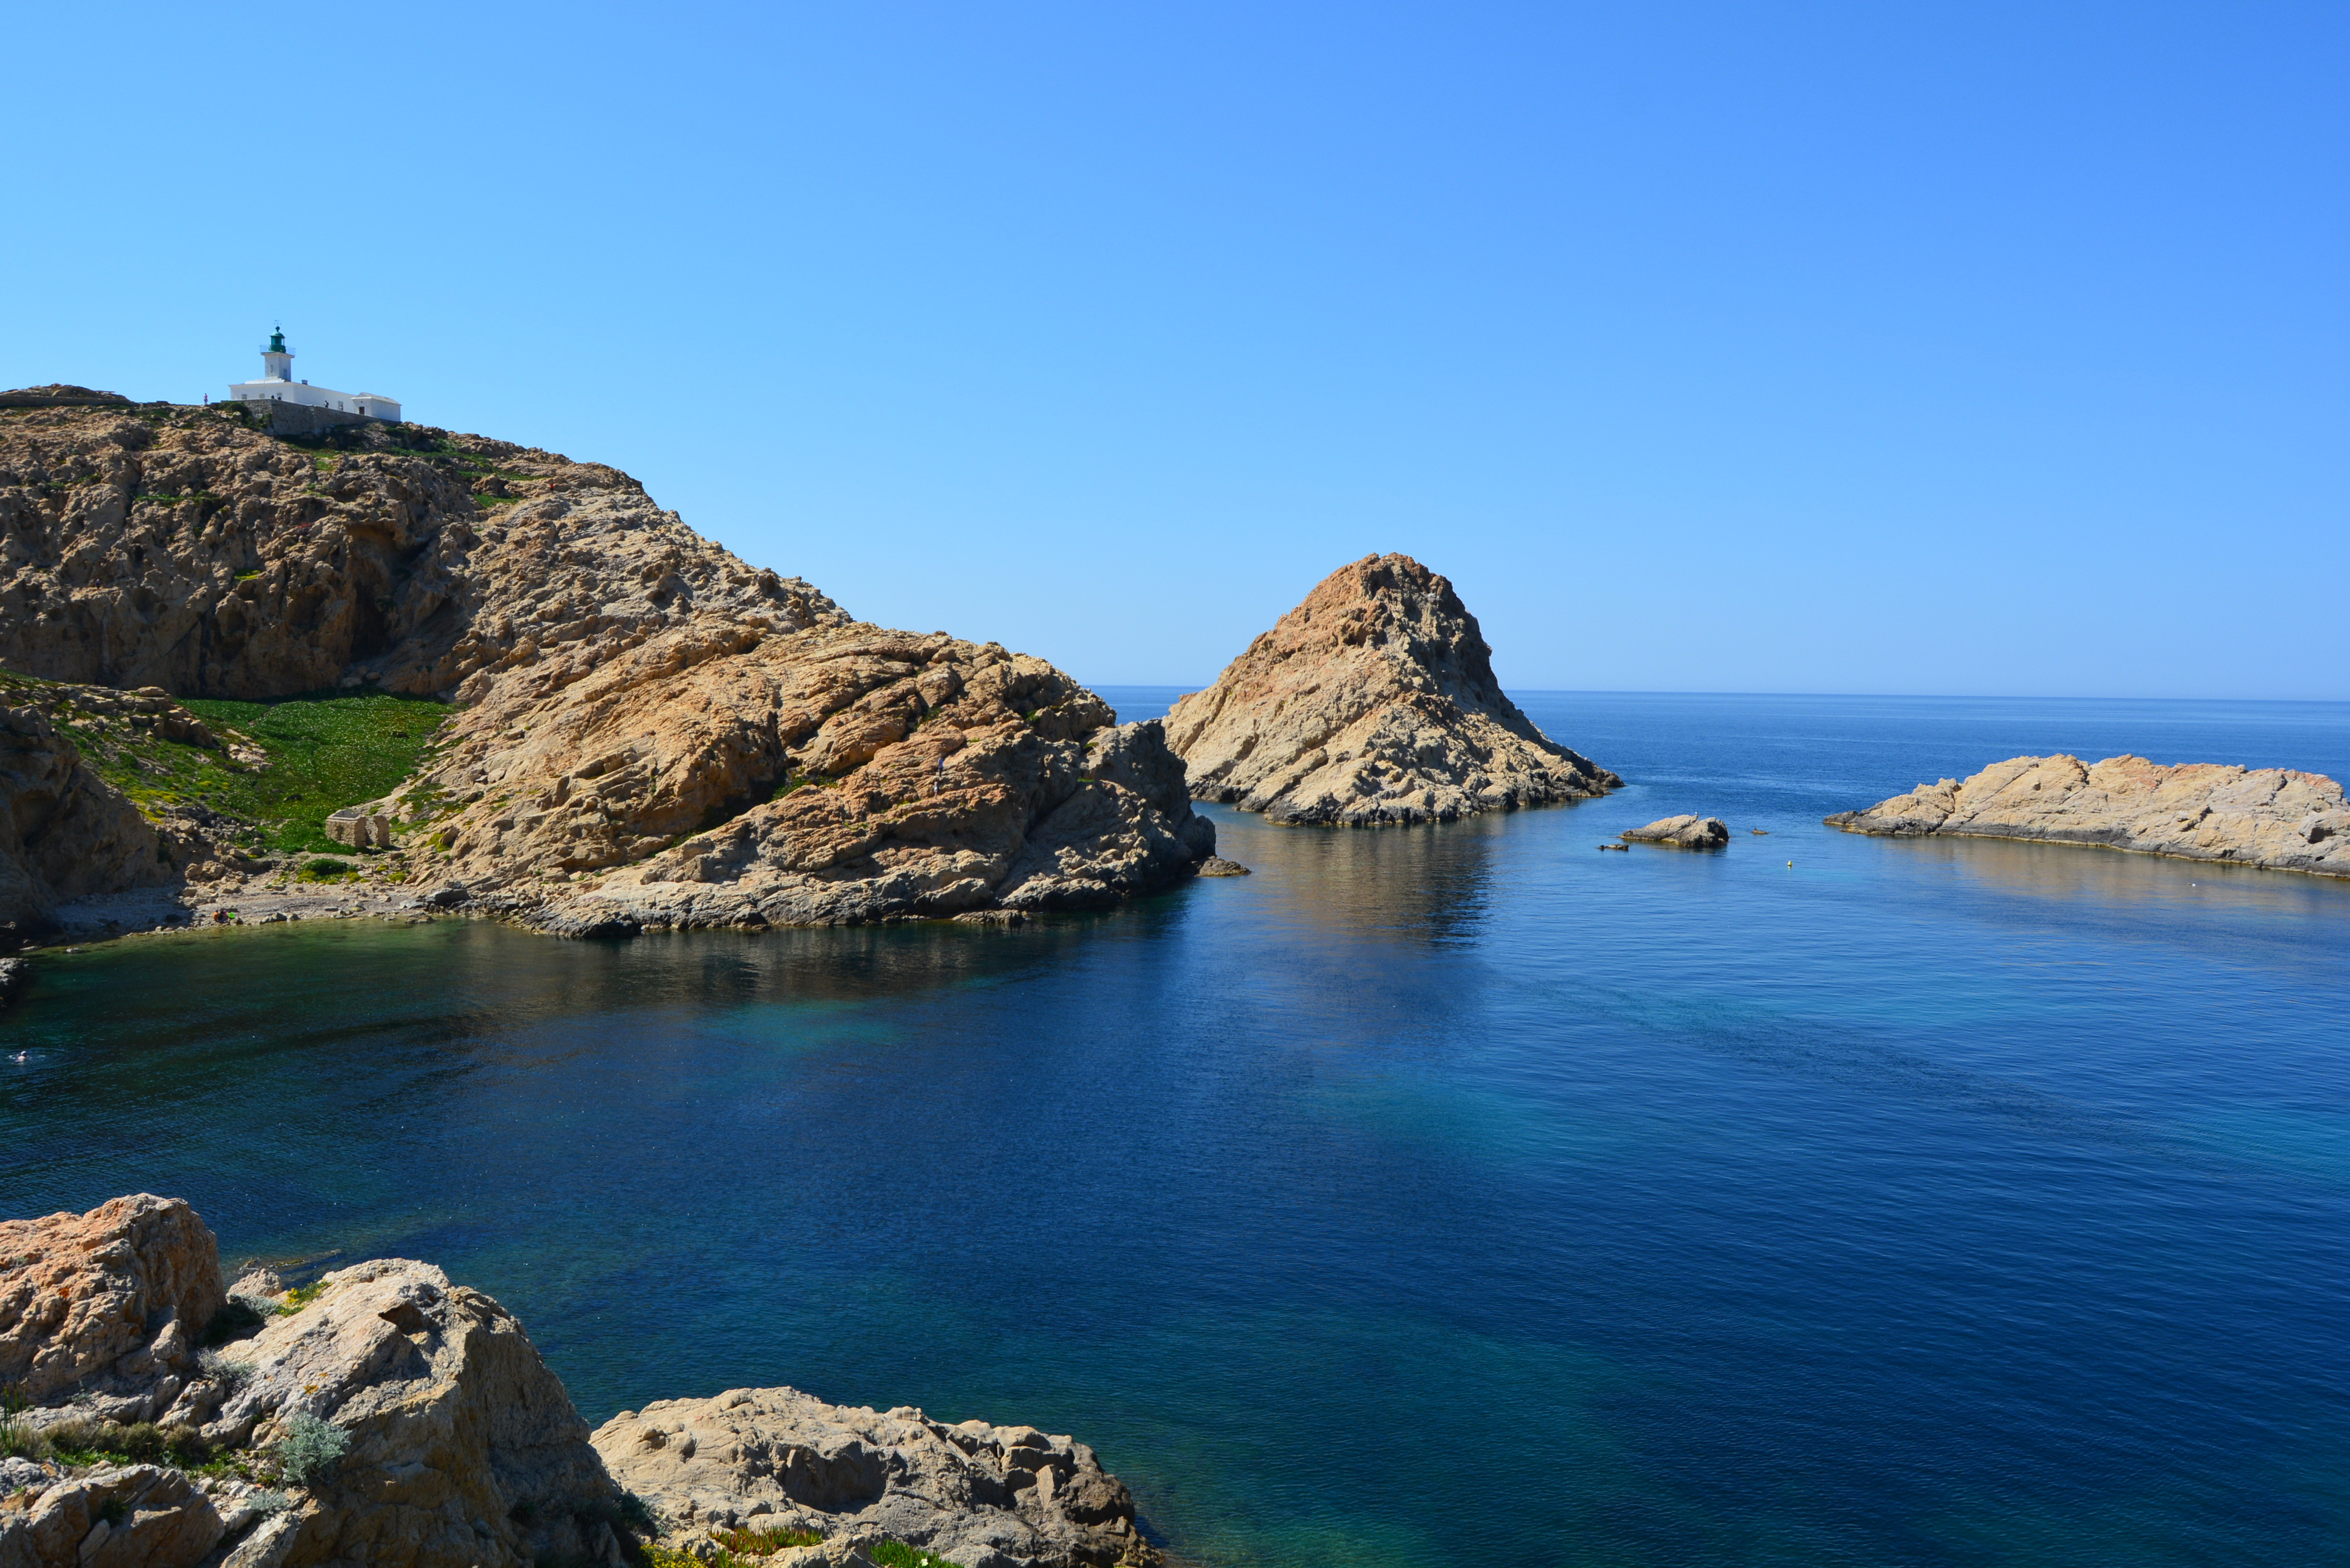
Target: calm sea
1451, 1196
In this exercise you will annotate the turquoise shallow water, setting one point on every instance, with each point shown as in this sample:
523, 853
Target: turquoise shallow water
1442, 1196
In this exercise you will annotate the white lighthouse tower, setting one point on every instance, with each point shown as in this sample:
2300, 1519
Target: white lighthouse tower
277, 385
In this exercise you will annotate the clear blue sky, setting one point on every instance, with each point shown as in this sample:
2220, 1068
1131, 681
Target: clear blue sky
1904, 348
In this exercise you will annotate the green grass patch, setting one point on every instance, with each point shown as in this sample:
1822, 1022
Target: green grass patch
325, 753
898, 1554
761, 1542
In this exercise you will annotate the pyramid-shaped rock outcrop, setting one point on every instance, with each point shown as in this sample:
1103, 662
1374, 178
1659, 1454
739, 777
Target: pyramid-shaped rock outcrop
1371, 703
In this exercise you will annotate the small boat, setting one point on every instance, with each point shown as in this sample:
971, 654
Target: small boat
1625, 847
1759, 832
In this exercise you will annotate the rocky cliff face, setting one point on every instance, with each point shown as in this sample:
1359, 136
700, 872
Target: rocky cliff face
386, 1415
182, 550
65, 833
2272, 818
1373, 703
626, 684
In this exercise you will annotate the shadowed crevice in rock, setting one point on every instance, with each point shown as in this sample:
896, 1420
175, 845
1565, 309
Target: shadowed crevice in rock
1372, 704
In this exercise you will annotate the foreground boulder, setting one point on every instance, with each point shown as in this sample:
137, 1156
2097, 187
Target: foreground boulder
386, 1415
776, 1459
2272, 817
1682, 832
1372, 704
111, 1304
447, 1442
463, 1447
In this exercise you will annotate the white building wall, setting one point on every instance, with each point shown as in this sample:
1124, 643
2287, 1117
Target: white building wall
368, 404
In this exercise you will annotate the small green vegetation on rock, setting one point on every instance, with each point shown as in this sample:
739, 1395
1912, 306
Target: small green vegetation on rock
892, 1553
325, 753
310, 1449
761, 1542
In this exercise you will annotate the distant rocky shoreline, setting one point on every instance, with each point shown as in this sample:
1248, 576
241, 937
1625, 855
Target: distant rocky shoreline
2274, 818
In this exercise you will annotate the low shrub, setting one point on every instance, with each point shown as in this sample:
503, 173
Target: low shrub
310, 1449
266, 1503
17, 1438
230, 1374
327, 866
760, 1542
86, 1442
898, 1554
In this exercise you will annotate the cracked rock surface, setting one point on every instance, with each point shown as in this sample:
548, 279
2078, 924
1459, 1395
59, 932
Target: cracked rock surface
1372, 704
2272, 818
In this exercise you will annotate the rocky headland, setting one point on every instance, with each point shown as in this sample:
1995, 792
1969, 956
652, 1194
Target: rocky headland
158, 1416
2272, 817
1372, 704
641, 728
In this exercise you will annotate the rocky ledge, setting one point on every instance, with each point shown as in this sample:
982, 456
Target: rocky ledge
778, 1462
2272, 817
383, 1415
1682, 833
1373, 703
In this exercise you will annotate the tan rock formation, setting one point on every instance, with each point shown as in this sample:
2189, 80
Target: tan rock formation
1682, 833
776, 1458
115, 1299
458, 1448
838, 775
65, 833
2272, 817
1371, 703
130, 1516
463, 1447
628, 685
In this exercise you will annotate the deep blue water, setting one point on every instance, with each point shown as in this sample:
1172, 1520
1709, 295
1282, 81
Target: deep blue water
1442, 1196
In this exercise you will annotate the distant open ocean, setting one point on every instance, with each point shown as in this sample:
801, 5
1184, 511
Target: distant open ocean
1438, 1196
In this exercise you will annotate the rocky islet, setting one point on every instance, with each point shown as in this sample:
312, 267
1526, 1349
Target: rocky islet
1682, 833
2271, 817
1373, 703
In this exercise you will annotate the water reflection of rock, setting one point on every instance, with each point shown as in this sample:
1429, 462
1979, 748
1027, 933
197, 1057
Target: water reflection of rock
2106, 878
1431, 884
